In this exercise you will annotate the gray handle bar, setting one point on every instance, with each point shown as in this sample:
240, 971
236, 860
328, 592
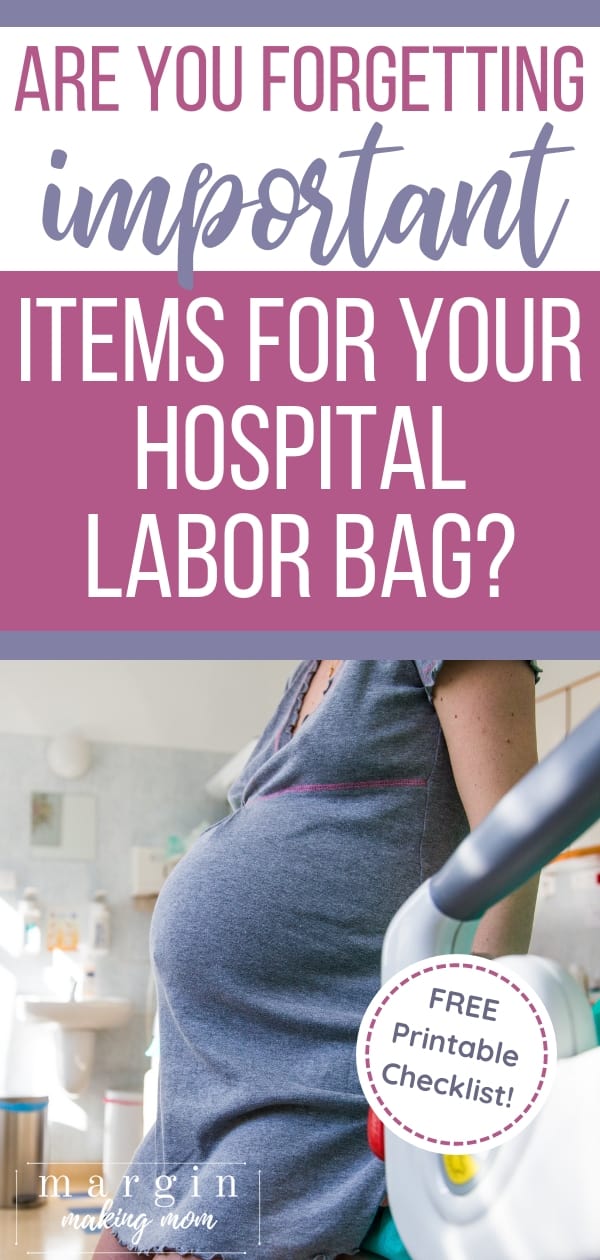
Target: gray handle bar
541, 815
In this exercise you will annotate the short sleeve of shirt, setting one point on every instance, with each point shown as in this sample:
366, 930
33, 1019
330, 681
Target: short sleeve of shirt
428, 672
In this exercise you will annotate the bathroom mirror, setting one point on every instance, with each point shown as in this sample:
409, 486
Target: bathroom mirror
63, 825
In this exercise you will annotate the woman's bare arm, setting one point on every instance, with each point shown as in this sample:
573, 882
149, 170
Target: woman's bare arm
487, 713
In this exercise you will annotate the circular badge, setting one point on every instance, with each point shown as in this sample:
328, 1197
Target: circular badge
456, 1052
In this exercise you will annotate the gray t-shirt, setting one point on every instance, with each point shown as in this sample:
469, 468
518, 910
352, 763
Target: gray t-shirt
266, 942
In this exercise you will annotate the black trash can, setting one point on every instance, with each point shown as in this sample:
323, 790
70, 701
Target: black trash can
23, 1138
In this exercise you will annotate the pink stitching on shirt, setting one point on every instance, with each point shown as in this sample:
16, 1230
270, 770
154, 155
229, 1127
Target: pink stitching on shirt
331, 787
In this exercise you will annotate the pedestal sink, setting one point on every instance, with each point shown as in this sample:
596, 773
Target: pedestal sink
77, 1023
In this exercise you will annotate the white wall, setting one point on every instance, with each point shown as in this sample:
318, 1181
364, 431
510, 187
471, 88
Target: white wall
175, 704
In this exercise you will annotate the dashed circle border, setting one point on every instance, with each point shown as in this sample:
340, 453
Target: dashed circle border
463, 1142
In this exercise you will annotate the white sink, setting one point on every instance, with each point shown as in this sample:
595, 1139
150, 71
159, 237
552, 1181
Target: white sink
77, 1023
89, 1014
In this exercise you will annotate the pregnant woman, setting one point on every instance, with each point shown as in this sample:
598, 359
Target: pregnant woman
266, 942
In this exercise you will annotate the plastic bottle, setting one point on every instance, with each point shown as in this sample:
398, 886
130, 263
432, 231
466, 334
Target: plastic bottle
31, 920
86, 987
99, 924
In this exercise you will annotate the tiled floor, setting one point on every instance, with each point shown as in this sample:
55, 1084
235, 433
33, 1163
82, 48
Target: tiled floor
39, 1231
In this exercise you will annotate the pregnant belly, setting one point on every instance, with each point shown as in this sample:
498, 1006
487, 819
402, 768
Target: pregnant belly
286, 893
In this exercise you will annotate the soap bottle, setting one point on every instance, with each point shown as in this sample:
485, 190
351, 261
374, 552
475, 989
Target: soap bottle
31, 921
99, 937
86, 986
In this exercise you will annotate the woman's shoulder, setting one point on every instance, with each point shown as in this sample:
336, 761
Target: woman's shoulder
429, 670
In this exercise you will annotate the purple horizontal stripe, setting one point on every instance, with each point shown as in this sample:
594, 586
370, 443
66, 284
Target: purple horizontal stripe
313, 13
149, 645
345, 787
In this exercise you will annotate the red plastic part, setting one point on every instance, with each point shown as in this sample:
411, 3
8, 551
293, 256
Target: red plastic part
375, 1131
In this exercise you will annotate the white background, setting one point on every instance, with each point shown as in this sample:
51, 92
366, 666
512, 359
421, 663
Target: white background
439, 147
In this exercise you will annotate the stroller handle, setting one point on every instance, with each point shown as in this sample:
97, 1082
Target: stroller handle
548, 809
